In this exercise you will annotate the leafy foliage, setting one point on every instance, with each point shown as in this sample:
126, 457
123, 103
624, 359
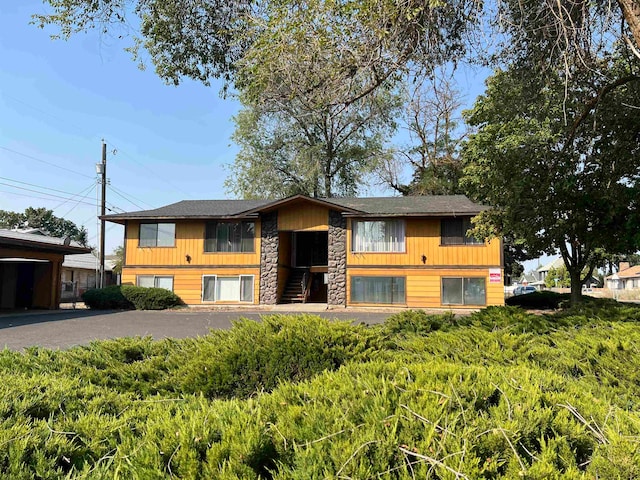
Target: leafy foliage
499, 394
45, 220
107, 298
560, 173
129, 296
557, 277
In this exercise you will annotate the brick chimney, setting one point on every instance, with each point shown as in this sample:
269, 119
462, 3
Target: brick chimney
623, 266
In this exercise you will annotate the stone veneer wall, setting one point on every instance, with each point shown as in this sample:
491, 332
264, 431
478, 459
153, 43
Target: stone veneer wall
337, 287
269, 259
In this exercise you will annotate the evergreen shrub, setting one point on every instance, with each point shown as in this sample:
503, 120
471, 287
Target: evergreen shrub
120, 297
107, 298
500, 398
420, 322
144, 298
257, 356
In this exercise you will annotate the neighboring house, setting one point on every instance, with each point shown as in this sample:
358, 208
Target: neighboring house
30, 269
557, 264
79, 274
403, 251
542, 271
627, 278
531, 279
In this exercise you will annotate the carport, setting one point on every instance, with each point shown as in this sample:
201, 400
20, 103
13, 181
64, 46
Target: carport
30, 267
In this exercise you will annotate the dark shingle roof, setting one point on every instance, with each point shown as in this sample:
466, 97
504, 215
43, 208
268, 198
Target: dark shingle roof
435, 205
193, 209
430, 205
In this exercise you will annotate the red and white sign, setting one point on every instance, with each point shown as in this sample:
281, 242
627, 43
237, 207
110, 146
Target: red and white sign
495, 275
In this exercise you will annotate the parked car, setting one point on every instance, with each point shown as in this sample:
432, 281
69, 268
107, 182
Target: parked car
523, 290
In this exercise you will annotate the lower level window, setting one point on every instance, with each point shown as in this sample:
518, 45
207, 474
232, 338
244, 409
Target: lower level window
156, 281
227, 289
464, 291
378, 290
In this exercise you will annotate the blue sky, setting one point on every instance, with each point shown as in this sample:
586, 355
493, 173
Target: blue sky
59, 99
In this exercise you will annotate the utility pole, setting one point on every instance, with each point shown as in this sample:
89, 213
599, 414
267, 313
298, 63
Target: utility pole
101, 169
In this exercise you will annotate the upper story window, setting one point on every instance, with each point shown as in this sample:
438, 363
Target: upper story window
378, 236
453, 231
229, 237
157, 235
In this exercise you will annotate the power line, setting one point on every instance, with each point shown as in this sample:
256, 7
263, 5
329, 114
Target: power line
150, 171
41, 186
131, 196
77, 127
77, 203
51, 195
89, 188
27, 195
130, 201
44, 161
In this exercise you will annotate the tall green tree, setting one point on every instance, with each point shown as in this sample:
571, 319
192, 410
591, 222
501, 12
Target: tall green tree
205, 39
314, 146
45, 220
558, 161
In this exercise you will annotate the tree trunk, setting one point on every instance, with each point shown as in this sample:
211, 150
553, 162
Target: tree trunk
576, 286
631, 12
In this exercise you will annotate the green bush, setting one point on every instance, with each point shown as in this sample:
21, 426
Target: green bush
144, 298
420, 322
507, 394
107, 298
117, 297
257, 356
538, 300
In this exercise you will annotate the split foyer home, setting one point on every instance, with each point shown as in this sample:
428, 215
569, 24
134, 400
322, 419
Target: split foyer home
399, 251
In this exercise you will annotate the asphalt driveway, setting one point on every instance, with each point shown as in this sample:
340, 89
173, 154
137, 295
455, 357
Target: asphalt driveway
67, 328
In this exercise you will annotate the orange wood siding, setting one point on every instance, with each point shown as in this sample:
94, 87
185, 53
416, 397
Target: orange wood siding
187, 282
423, 286
189, 241
422, 237
303, 217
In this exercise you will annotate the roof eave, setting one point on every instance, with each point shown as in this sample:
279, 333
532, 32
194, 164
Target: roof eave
121, 220
44, 247
414, 214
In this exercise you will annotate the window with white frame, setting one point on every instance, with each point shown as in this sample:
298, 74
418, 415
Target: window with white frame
463, 291
378, 236
155, 281
157, 235
386, 290
227, 289
229, 237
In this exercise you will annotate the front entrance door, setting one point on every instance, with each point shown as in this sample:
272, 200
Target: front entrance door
310, 249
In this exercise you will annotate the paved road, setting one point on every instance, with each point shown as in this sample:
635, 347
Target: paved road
66, 328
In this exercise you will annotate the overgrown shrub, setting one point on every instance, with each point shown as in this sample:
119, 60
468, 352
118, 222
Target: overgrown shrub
538, 300
107, 298
510, 395
116, 297
255, 356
